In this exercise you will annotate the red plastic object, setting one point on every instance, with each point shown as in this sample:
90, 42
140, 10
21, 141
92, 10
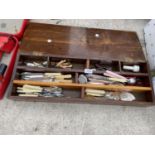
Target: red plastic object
9, 43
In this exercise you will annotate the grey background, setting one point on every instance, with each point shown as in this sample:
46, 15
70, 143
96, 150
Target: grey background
47, 118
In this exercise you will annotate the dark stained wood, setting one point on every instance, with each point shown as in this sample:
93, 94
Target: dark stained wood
83, 49
35, 69
81, 100
76, 42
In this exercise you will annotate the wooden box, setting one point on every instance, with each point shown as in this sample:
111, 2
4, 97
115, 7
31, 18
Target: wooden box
84, 48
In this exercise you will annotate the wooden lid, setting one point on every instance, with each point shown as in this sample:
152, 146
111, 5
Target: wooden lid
76, 42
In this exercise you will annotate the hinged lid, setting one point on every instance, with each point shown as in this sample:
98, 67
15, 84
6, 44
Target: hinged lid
76, 42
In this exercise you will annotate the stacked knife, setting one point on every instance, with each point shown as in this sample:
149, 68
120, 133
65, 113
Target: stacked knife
37, 91
123, 96
108, 77
47, 77
36, 64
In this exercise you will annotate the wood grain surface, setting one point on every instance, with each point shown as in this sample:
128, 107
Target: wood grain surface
76, 42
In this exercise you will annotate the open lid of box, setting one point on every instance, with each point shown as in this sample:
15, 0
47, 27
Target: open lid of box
82, 43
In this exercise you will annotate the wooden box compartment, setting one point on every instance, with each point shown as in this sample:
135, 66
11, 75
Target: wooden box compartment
140, 97
68, 93
20, 71
76, 92
87, 50
76, 63
143, 66
30, 59
110, 65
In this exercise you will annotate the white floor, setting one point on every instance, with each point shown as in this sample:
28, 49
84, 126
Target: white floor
47, 118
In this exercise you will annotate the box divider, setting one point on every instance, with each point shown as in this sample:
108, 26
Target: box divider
119, 64
48, 62
76, 77
88, 63
82, 92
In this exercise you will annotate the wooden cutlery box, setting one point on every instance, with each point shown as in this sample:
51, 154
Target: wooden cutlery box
84, 49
